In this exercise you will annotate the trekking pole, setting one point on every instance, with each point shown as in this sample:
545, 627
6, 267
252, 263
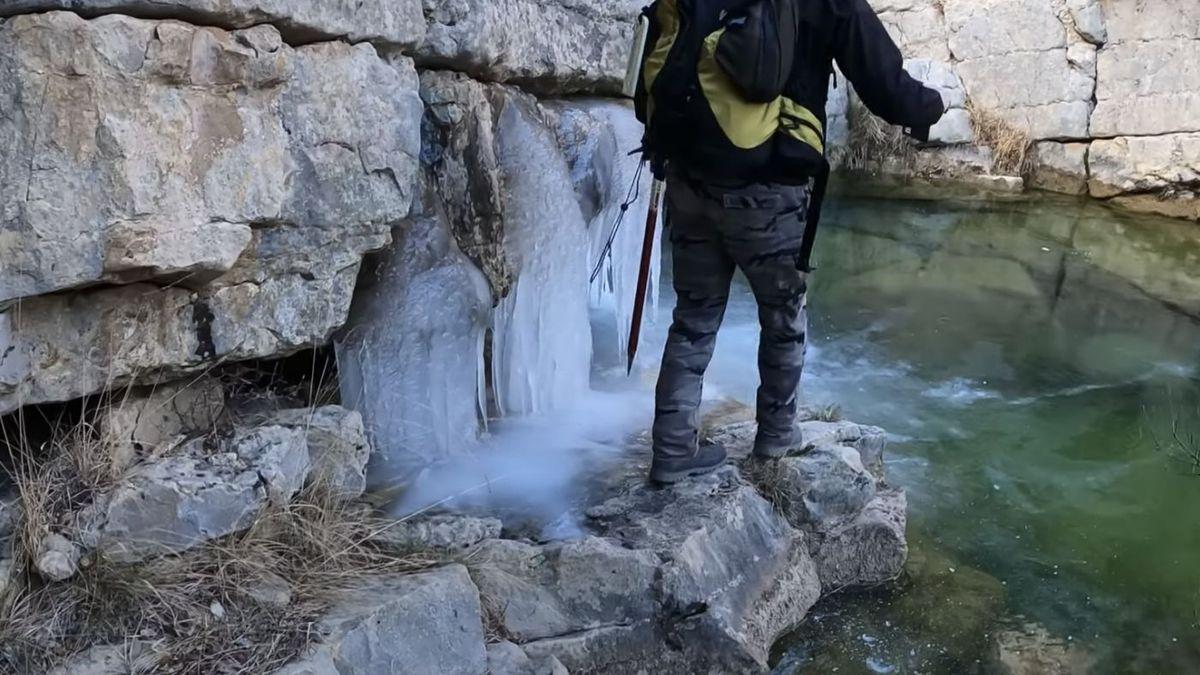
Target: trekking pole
639, 302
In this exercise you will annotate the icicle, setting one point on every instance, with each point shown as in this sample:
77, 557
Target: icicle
542, 334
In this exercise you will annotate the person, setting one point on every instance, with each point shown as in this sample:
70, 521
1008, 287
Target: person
722, 218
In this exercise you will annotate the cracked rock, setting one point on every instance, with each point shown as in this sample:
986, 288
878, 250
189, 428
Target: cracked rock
337, 446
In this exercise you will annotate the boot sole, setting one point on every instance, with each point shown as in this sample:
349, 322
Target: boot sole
672, 477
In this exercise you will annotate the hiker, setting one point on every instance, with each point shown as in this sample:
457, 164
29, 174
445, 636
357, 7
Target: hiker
733, 96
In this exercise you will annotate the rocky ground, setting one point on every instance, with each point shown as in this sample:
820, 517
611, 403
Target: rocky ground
700, 577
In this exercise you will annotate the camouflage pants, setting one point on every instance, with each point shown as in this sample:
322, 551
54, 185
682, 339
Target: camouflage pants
713, 230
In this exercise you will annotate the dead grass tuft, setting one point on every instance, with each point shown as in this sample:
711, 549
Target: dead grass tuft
194, 607
767, 478
1010, 145
829, 413
872, 141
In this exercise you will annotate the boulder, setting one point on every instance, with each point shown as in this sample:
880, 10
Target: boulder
58, 558
824, 487
284, 188
868, 551
389, 22
175, 503
443, 532
560, 46
1157, 174
1059, 167
337, 446
420, 623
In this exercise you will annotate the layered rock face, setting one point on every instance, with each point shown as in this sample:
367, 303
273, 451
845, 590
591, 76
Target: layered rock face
1107, 90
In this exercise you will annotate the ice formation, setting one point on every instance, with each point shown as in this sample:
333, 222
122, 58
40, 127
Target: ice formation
542, 345
412, 358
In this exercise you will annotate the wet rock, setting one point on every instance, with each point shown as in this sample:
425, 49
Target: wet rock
506, 658
58, 558
392, 22
167, 153
175, 503
337, 446
144, 420
1060, 167
561, 46
421, 623
867, 551
1032, 650
441, 533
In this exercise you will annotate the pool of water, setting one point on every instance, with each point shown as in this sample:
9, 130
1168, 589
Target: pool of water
1030, 360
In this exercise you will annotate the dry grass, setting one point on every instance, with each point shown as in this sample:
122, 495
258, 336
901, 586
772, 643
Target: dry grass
318, 544
829, 413
872, 140
767, 478
1010, 145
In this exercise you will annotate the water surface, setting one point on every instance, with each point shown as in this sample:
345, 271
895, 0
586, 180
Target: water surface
1028, 359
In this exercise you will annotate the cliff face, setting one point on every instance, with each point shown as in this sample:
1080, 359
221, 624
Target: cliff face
1107, 90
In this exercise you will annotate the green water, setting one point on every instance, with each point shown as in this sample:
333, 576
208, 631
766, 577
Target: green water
1025, 357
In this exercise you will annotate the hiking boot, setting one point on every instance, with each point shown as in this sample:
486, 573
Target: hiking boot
776, 448
709, 458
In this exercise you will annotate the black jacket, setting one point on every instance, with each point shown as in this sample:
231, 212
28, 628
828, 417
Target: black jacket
849, 33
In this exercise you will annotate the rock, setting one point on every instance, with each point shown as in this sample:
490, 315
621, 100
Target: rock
441, 532
1137, 96
735, 575
268, 589
561, 46
271, 149
421, 623
390, 22
415, 338
10, 518
135, 656
545, 592
6, 576
506, 658
1148, 21
337, 446
1148, 174
869, 551
58, 558
319, 661
178, 502
1059, 167
955, 127
825, 487
917, 26
144, 420
1088, 17
1032, 650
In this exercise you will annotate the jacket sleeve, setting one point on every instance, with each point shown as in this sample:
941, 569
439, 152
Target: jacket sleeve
872, 61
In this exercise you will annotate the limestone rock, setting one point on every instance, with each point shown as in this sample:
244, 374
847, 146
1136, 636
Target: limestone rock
421, 623
545, 592
870, 550
179, 502
1145, 21
1088, 17
1152, 174
1014, 58
955, 127
560, 46
440, 532
144, 419
391, 22
824, 487
148, 156
1138, 93
735, 577
1060, 167
319, 661
337, 446
58, 558
506, 658
917, 26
